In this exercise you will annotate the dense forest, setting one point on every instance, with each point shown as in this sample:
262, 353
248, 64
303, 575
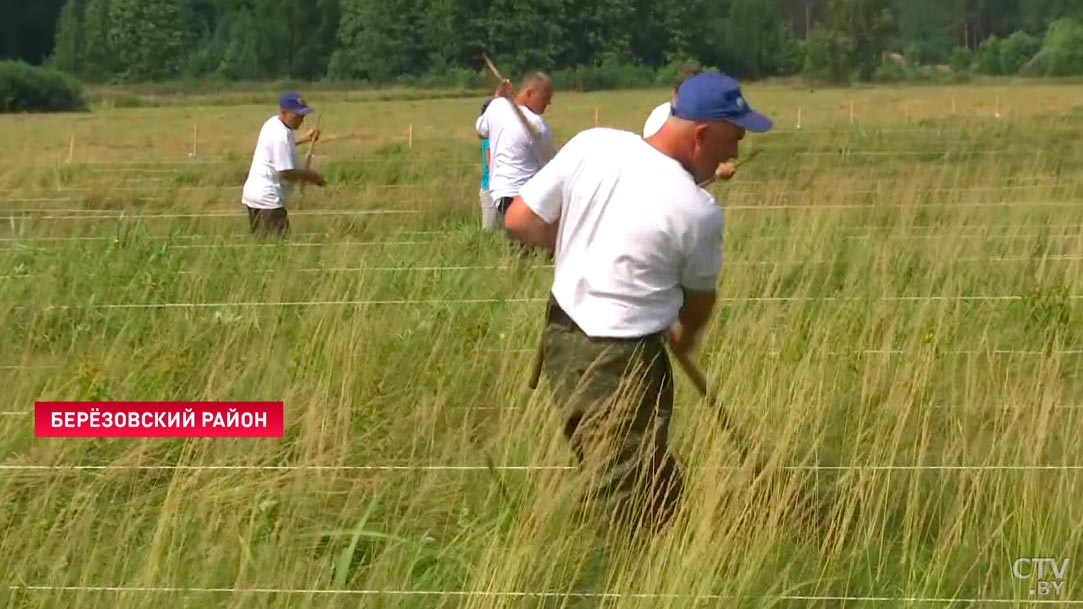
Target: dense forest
442, 40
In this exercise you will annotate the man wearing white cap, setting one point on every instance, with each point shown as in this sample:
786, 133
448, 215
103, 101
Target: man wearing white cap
661, 113
638, 254
274, 167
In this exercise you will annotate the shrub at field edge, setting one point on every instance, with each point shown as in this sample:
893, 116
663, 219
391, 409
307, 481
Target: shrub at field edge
27, 88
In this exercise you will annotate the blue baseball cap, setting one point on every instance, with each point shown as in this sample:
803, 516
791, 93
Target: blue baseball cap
292, 102
712, 96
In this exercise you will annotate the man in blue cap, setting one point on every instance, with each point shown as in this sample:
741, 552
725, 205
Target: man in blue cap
274, 167
638, 254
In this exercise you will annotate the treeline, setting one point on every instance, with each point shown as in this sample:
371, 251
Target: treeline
585, 43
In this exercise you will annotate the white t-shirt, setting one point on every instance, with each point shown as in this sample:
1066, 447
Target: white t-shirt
275, 151
656, 119
515, 158
634, 230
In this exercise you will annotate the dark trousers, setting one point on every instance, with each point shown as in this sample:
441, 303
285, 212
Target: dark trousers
264, 222
502, 205
616, 401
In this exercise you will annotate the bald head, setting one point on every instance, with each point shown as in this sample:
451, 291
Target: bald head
700, 146
535, 92
535, 80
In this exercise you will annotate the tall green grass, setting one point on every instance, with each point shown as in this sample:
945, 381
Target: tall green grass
898, 337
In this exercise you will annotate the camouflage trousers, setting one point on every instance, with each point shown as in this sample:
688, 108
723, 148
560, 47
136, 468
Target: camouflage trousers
264, 222
615, 398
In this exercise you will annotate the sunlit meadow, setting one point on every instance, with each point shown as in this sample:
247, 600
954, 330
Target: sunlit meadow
899, 337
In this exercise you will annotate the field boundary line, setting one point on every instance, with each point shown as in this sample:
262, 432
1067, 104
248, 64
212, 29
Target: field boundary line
957, 407
875, 352
229, 214
482, 267
531, 595
300, 303
16, 245
328, 303
384, 269
857, 233
878, 206
529, 468
211, 246
763, 207
407, 186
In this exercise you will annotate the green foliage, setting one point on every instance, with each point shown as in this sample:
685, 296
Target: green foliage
987, 60
243, 46
961, 61
1038, 15
929, 27
670, 74
147, 37
890, 72
828, 57
608, 75
68, 48
99, 61
1062, 50
27, 88
590, 43
867, 25
377, 40
1016, 51
757, 42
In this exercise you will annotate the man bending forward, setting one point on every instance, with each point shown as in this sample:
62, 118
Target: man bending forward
638, 255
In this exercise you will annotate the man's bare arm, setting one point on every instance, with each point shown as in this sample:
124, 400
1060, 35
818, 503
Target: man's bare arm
302, 175
526, 226
311, 135
692, 318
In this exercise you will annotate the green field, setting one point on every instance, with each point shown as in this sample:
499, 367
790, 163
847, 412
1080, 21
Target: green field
900, 332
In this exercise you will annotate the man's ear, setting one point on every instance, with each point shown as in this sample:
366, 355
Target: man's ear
701, 134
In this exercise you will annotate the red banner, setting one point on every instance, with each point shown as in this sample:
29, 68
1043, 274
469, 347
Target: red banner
158, 419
